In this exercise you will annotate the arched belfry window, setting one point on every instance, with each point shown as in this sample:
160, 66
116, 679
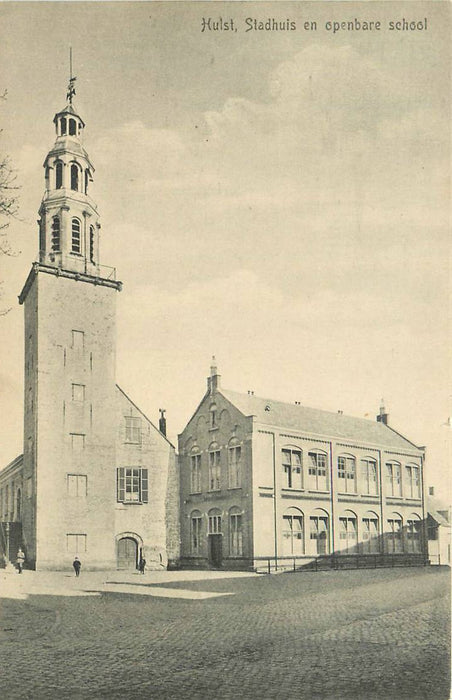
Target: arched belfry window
74, 176
86, 181
56, 234
72, 127
58, 175
63, 126
91, 244
76, 239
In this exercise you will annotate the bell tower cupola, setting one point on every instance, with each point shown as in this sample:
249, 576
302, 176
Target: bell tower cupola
68, 217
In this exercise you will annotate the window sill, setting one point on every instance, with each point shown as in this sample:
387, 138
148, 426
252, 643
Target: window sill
216, 427
131, 503
344, 493
234, 488
195, 493
213, 490
132, 443
77, 255
291, 489
318, 491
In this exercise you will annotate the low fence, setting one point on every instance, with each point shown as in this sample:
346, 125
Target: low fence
338, 561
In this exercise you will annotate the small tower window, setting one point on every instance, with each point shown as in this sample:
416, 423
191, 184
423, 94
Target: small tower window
72, 127
91, 244
76, 247
56, 234
59, 175
63, 126
86, 181
74, 176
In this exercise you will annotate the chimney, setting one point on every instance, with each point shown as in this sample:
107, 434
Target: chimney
383, 416
213, 382
162, 421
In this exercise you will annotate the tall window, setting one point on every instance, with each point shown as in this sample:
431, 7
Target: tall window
234, 466
91, 244
78, 442
78, 392
195, 532
72, 127
394, 534
86, 181
74, 176
291, 463
133, 429
346, 472
214, 470
76, 543
58, 175
214, 522
292, 532
132, 485
319, 533
235, 532
77, 485
195, 473
76, 238
370, 535
56, 240
63, 126
412, 482
348, 532
317, 471
393, 479
369, 476
213, 416
413, 535
78, 340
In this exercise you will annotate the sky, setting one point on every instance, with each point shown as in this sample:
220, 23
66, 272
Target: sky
278, 199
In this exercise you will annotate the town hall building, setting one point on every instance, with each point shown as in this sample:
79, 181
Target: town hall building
97, 479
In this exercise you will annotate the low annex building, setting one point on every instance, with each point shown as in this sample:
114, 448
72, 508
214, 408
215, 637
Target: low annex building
266, 482
97, 479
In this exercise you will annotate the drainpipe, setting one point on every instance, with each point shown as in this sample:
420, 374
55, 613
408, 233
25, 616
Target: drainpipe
275, 515
333, 522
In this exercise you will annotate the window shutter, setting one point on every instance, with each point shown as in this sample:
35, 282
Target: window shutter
144, 485
120, 484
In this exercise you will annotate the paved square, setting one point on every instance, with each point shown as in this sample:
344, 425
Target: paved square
369, 634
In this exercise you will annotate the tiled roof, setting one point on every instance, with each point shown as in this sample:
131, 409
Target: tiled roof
317, 422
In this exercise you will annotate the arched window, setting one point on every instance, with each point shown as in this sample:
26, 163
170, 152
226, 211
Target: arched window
412, 481
317, 470
292, 471
370, 533
234, 464
63, 126
72, 127
235, 532
394, 535
18, 504
74, 176
413, 534
76, 239
213, 416
86, 181
56, 241
195, 471
293, 532
195, 532
348, 532
58, 175
369, 480
393, 479
319, 532
346, 473
214, 519
214, 467
91, 244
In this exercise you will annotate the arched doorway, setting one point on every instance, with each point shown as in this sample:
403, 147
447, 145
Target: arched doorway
127, 553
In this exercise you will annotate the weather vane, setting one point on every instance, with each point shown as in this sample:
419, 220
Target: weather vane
72, 79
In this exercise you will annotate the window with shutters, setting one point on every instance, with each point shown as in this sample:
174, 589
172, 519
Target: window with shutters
132, 485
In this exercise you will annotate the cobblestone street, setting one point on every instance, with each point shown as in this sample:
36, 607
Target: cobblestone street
353, 634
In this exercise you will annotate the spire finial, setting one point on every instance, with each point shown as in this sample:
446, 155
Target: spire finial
72, 79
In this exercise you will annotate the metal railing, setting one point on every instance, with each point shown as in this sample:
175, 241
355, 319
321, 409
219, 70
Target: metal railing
339, 561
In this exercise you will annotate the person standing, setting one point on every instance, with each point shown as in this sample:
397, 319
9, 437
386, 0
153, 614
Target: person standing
142, 565
20, 559
77, 564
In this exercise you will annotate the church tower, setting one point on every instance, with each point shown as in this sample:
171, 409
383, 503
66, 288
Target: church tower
69, 301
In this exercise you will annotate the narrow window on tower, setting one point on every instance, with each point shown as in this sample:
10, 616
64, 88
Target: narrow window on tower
76, 240
63, 126
86, 181
74, 176
72, 127
78, 340
78, 392
56, 240
58, 175
91, 244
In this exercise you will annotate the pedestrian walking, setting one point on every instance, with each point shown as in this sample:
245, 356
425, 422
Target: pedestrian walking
77, 564
142, 565
20, 559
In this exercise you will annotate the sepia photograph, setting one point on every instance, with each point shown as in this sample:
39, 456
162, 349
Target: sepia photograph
225, 396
